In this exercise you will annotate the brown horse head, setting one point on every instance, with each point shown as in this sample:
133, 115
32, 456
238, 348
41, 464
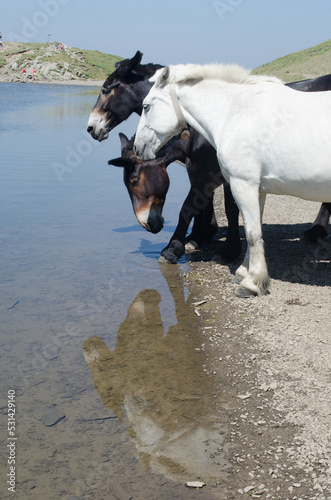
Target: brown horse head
147, 183
121, 95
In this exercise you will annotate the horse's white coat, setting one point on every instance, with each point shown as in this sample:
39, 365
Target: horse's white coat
269, 139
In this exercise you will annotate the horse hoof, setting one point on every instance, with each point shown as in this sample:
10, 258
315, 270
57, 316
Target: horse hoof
173, 251
244, 293
168, 256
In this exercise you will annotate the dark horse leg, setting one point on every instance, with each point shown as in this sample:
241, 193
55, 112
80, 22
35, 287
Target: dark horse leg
204, 225
231, 249
319, 228
204, 220
176, 247
193, 204
199, 203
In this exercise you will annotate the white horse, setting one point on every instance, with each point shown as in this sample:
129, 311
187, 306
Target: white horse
269, 139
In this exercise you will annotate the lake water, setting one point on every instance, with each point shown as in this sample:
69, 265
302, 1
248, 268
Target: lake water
97, 339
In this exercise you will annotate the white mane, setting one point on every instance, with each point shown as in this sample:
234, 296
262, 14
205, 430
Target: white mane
185, 73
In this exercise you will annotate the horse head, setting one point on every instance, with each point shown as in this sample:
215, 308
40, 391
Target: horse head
162, 117
121, 95
147, 184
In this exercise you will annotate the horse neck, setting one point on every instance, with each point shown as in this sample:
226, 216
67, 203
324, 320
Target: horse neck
207, 105
176, 149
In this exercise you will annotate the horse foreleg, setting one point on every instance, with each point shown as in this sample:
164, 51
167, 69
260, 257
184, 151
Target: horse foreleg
176, 247
253, 273
204, 225
242, 270
319, 229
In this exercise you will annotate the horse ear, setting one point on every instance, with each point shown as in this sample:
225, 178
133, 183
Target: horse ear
122, 162
126, 144
118, 63
164, 76
129, 64
124, 140
117, 162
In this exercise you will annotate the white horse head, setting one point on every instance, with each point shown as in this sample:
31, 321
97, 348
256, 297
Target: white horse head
159, 120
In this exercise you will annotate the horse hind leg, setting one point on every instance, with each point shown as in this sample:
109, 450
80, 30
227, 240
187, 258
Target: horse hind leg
253, 272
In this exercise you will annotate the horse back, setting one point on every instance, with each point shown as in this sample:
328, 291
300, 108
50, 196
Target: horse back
319, 84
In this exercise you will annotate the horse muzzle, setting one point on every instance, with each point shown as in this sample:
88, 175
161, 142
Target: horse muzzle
150, 220
144, 150
97, 127
155, 225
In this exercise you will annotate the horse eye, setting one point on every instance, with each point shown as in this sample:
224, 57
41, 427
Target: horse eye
107, 90
146, 107
135, 181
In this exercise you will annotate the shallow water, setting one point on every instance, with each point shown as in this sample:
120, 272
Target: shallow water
97, 338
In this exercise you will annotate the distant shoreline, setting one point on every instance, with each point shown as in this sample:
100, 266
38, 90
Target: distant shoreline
84, 83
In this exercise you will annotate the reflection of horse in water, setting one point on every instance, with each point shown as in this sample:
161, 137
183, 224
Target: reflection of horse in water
161, 383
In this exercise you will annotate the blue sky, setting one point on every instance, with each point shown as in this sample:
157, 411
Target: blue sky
248, 32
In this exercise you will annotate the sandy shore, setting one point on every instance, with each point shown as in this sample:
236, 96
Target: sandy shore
272, 356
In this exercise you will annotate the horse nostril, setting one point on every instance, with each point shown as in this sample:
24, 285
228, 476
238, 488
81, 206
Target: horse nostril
90, 129
155, 225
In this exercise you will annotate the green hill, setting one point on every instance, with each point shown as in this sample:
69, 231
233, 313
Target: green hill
52, 63
308, 63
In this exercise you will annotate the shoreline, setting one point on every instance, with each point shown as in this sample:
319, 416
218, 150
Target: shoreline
82, 83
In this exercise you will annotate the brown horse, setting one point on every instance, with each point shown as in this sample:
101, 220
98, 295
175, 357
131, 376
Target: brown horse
147, 183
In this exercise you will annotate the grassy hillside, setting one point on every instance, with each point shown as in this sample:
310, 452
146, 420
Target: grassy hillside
78, 64
308, 63
51, 63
